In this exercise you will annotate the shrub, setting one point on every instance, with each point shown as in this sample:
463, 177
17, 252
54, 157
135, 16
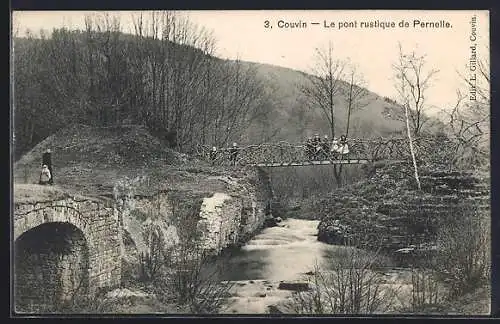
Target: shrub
353, 285
426, 292
464, 255
185, 271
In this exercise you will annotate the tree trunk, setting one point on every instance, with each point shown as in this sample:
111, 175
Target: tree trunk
349, 106
411, 147
337, 171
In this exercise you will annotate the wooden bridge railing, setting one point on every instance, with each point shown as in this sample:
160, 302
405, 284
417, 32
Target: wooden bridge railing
284, 152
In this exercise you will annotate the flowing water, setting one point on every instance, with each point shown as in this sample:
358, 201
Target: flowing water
283, 253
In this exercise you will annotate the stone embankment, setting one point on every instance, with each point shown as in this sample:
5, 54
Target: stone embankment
225, 217
105, 237
385, 211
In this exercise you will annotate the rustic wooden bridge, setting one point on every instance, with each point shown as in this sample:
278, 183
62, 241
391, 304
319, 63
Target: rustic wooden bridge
284, 154
305, 163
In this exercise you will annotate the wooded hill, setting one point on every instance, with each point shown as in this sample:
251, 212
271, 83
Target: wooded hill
175, 86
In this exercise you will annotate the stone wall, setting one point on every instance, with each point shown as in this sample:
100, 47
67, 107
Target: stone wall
135, 212
220, 219
96, 221
51, 266
224, 218
104, 233
258, 208
385, 209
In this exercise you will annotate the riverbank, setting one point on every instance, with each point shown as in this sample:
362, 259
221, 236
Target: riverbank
442, 229
281, 260
159, 201
283, 263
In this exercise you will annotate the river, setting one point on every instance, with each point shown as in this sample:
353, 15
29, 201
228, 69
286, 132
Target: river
284, 253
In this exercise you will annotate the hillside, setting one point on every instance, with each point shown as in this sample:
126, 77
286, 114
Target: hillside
295, 119
90, 160
272, 92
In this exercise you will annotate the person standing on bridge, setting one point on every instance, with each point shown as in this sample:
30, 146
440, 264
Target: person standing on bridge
233, 151
317, 147
309, 148
325, 147
344, 148
334, 150
213, 155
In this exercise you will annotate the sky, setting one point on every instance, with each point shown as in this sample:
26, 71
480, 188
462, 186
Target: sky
243, 34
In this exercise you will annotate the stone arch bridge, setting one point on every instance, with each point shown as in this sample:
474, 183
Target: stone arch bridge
64, 249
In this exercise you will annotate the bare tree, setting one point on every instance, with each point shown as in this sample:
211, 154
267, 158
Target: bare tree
468, 131
325, 83
469, 120
415, 79
412, 82
356, 94
164, 77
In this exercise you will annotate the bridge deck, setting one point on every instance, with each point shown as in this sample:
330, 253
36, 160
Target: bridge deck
305, 163
283, 154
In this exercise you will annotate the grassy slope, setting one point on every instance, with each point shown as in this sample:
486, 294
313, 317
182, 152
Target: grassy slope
89, 161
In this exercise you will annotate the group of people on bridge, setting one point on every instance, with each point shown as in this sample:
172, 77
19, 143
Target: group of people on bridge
233, 153
318, 149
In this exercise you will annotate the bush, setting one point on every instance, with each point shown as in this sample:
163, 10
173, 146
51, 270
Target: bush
353, 285
464, 255
185, 272
195, 279
151, 261
426, 292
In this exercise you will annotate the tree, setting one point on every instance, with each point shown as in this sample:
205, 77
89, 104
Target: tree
34, 96
469, 121
356, 94
468, 132
325, 84
164, 77
412, 82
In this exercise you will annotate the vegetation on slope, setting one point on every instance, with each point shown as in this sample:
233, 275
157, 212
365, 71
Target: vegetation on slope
177, 88
91, 160
102, 77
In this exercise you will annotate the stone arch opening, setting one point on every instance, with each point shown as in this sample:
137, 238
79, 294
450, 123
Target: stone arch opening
51, 268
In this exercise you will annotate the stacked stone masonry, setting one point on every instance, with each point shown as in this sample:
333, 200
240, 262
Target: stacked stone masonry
225, 218
93, 249
93, 258
406, 218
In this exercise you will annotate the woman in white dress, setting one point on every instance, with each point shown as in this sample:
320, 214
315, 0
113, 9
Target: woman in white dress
343, 147
45, 175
